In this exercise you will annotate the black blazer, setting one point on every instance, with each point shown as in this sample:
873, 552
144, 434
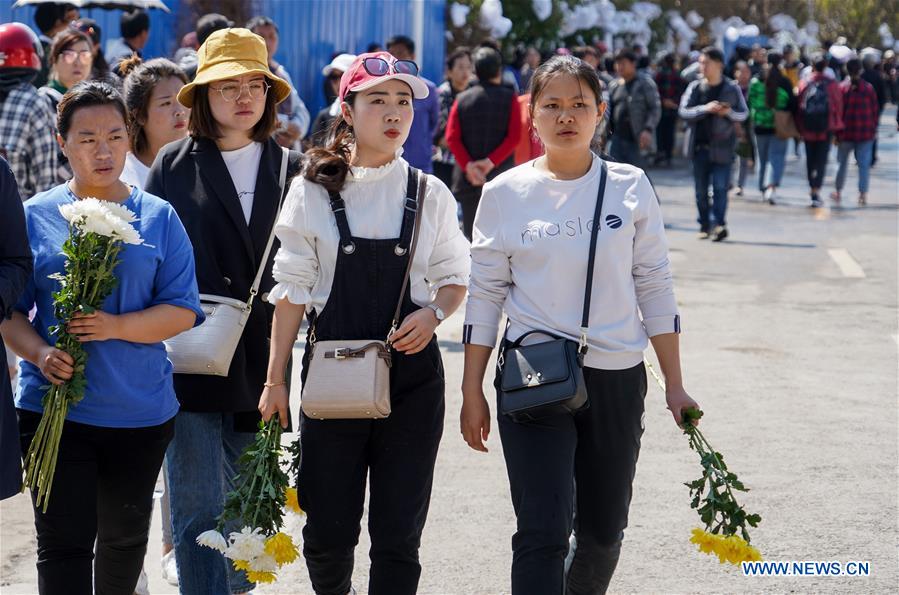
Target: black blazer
192, 176
15, 271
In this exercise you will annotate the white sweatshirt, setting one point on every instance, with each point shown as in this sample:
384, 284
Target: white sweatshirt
375, 198
529, 258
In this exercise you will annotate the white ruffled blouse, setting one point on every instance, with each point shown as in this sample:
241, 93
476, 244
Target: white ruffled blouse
305, 263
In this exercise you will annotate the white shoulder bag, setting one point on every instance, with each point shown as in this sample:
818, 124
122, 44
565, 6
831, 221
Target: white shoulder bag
209, 348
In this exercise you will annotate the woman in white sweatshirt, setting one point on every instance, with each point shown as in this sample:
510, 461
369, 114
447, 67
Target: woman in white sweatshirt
346, 231
530, 250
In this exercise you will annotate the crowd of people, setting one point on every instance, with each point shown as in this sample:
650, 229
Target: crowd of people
512, 160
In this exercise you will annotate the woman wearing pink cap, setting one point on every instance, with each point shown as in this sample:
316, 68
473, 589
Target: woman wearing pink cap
346, 237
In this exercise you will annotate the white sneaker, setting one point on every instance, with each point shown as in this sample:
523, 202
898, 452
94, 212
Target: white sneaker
170, 569
143, 585
770, 195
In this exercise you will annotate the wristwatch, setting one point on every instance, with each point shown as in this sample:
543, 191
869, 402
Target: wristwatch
438, 312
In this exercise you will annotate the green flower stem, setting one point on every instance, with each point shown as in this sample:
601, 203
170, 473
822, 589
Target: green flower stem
87, 282
718, 466
272, 442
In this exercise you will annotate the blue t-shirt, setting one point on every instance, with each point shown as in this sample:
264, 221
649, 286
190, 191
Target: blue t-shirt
129, 385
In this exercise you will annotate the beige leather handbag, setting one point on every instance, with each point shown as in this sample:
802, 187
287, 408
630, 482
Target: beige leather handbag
209, 348
351, 379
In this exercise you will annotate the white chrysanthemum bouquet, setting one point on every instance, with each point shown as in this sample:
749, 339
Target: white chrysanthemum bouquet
97, 232
262, 493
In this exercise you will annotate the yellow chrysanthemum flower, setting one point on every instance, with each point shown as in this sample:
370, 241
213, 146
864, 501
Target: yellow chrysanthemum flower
291, 500
705, 541
261, 577
240, 564
281, 547
731, 548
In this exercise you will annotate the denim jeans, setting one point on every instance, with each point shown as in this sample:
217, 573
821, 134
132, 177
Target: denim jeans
773, 152
201, 462
864, 151
718, 174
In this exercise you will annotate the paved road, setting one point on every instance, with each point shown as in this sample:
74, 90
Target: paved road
790, 346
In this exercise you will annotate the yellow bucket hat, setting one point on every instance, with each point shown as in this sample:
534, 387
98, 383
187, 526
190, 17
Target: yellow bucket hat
230, 53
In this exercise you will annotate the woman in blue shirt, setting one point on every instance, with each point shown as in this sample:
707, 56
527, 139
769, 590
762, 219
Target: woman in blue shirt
113, 440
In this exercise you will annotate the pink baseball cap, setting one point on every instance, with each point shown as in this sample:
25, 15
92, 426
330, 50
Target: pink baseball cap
372, 69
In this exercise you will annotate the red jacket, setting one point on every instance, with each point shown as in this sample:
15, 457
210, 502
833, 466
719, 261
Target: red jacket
834, 108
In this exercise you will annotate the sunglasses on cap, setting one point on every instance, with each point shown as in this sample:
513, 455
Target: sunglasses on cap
380, 67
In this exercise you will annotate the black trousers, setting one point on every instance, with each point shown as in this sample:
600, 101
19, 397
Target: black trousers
103, 493
816, 153
665, 134
574, 473
397, 456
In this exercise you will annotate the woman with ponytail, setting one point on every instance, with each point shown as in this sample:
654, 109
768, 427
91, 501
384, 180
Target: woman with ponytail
346, 233
770, 92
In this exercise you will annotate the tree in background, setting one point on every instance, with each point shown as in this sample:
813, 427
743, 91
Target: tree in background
857, 20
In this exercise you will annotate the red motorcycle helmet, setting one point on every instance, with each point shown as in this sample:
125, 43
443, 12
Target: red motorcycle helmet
19, 47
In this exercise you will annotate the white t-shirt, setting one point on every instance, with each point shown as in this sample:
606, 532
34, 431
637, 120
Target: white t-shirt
529, 260
135, 172
243, 165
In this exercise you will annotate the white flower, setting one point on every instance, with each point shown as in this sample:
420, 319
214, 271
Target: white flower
102, 218
246, 545
120, 211
264, 563
213, 539
124, 231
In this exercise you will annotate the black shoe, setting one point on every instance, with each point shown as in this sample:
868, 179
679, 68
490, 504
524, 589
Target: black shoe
719, 233
817, 203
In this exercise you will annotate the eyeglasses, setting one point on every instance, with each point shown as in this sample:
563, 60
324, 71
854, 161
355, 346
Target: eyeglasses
380, 67
232, 91
69, 56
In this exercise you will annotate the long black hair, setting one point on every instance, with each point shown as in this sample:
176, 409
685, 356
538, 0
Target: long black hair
773, 80
329, 165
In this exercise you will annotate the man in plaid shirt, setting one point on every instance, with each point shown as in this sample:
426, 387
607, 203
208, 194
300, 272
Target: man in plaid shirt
26, 139
26, 122
860, 118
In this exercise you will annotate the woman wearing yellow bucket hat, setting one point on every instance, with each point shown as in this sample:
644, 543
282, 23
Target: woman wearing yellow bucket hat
223, 181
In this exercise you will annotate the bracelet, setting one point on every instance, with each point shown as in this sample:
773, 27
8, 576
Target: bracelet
273, 384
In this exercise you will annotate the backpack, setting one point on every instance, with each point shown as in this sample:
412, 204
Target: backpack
815, 107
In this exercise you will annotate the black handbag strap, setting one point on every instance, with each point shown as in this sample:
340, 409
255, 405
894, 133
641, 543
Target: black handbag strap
588, 291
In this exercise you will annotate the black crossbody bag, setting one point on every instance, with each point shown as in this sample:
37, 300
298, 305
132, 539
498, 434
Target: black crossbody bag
544, 379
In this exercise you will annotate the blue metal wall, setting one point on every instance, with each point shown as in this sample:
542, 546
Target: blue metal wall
312, 31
